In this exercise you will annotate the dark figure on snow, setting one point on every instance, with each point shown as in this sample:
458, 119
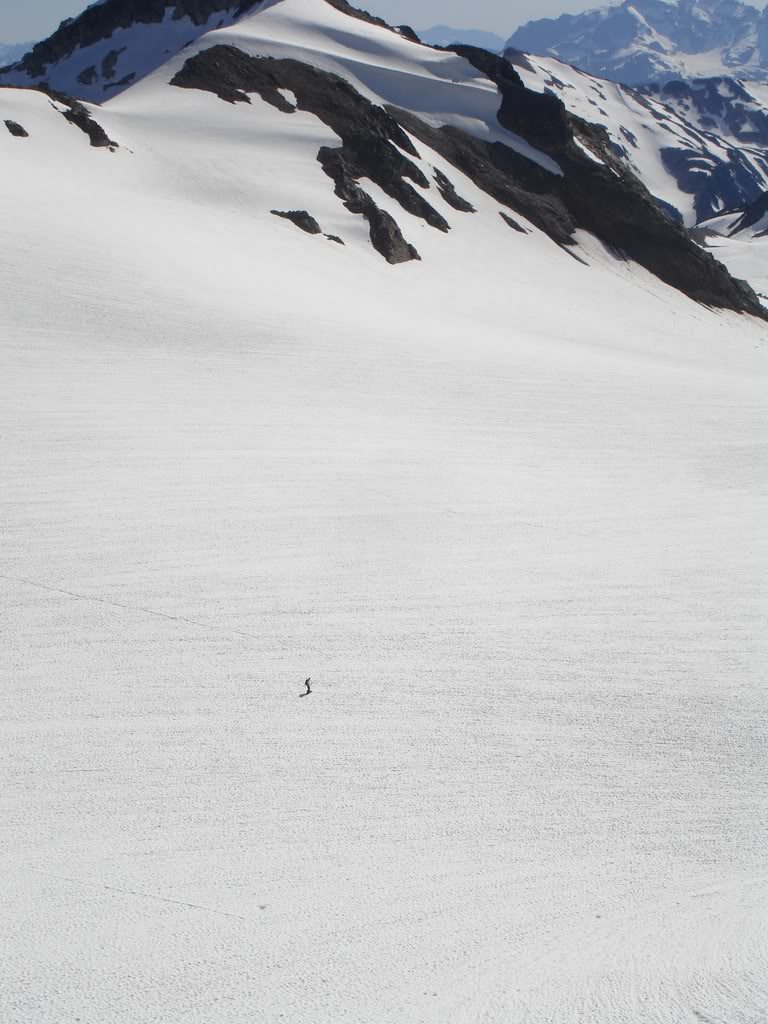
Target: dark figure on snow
309, 688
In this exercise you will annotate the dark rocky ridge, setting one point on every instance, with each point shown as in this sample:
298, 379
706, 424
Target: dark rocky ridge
372, 139
511, 179
386, 236
597, 195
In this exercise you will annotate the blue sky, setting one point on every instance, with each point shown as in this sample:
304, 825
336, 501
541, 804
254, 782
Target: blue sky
22, 20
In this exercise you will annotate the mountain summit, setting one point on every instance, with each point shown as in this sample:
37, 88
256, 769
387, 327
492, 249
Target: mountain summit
656, 40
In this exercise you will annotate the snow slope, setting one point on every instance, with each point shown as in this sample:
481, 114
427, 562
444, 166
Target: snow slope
506, 510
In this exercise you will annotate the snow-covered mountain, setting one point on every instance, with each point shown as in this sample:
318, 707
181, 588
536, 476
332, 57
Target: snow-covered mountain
446, 35
639, 41
504, 503
734, 111
699, 148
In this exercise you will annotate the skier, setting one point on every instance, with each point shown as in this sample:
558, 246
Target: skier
309, 688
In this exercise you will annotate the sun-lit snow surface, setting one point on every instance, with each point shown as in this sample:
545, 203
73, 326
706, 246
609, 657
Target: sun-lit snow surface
643, 128
505, 509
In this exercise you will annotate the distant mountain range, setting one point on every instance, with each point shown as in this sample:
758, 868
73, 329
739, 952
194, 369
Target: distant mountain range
446, 35
641, 41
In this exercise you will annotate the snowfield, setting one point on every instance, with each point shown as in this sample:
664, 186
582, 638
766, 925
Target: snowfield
506, 510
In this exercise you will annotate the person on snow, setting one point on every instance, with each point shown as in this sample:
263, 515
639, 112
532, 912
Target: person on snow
309, 688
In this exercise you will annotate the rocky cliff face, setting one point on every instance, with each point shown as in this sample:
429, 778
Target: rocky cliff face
654, 40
